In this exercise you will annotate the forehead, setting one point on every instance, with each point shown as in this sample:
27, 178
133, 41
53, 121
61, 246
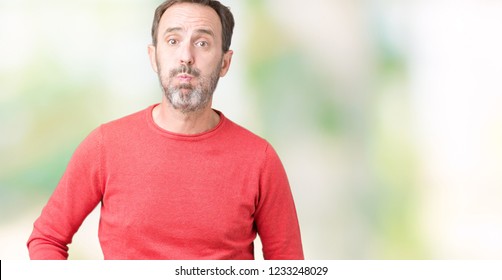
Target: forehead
188, 16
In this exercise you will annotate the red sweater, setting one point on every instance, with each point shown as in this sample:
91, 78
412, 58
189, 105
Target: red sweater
171, 196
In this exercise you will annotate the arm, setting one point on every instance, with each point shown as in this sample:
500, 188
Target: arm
76, 195
275, 216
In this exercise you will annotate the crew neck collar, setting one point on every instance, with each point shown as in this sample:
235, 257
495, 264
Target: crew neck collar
179, 136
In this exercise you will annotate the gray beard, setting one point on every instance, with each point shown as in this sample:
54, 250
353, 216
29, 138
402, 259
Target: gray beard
185, 97
187, 102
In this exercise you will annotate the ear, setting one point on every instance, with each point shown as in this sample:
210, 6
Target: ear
225, 63
152, 54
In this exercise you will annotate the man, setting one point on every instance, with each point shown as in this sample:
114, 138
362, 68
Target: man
177, 180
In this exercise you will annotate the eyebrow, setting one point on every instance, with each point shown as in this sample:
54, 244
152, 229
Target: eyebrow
199, 31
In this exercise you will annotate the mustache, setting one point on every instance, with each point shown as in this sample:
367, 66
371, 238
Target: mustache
184, 69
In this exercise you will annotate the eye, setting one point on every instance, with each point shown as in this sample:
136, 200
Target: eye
202, 44
172, 42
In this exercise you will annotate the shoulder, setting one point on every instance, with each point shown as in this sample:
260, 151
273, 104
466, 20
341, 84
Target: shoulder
118, 130
244, 137
125, 128
128, 122
251, 146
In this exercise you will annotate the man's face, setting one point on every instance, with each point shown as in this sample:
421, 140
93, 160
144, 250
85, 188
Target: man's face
188, 57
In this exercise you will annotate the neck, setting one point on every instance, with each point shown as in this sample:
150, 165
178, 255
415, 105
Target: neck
176, 121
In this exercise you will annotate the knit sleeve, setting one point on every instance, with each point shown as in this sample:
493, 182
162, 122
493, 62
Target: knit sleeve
275, 217
76, 195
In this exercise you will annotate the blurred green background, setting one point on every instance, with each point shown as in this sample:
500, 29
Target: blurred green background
386, 114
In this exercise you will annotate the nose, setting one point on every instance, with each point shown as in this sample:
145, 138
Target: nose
186, 54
